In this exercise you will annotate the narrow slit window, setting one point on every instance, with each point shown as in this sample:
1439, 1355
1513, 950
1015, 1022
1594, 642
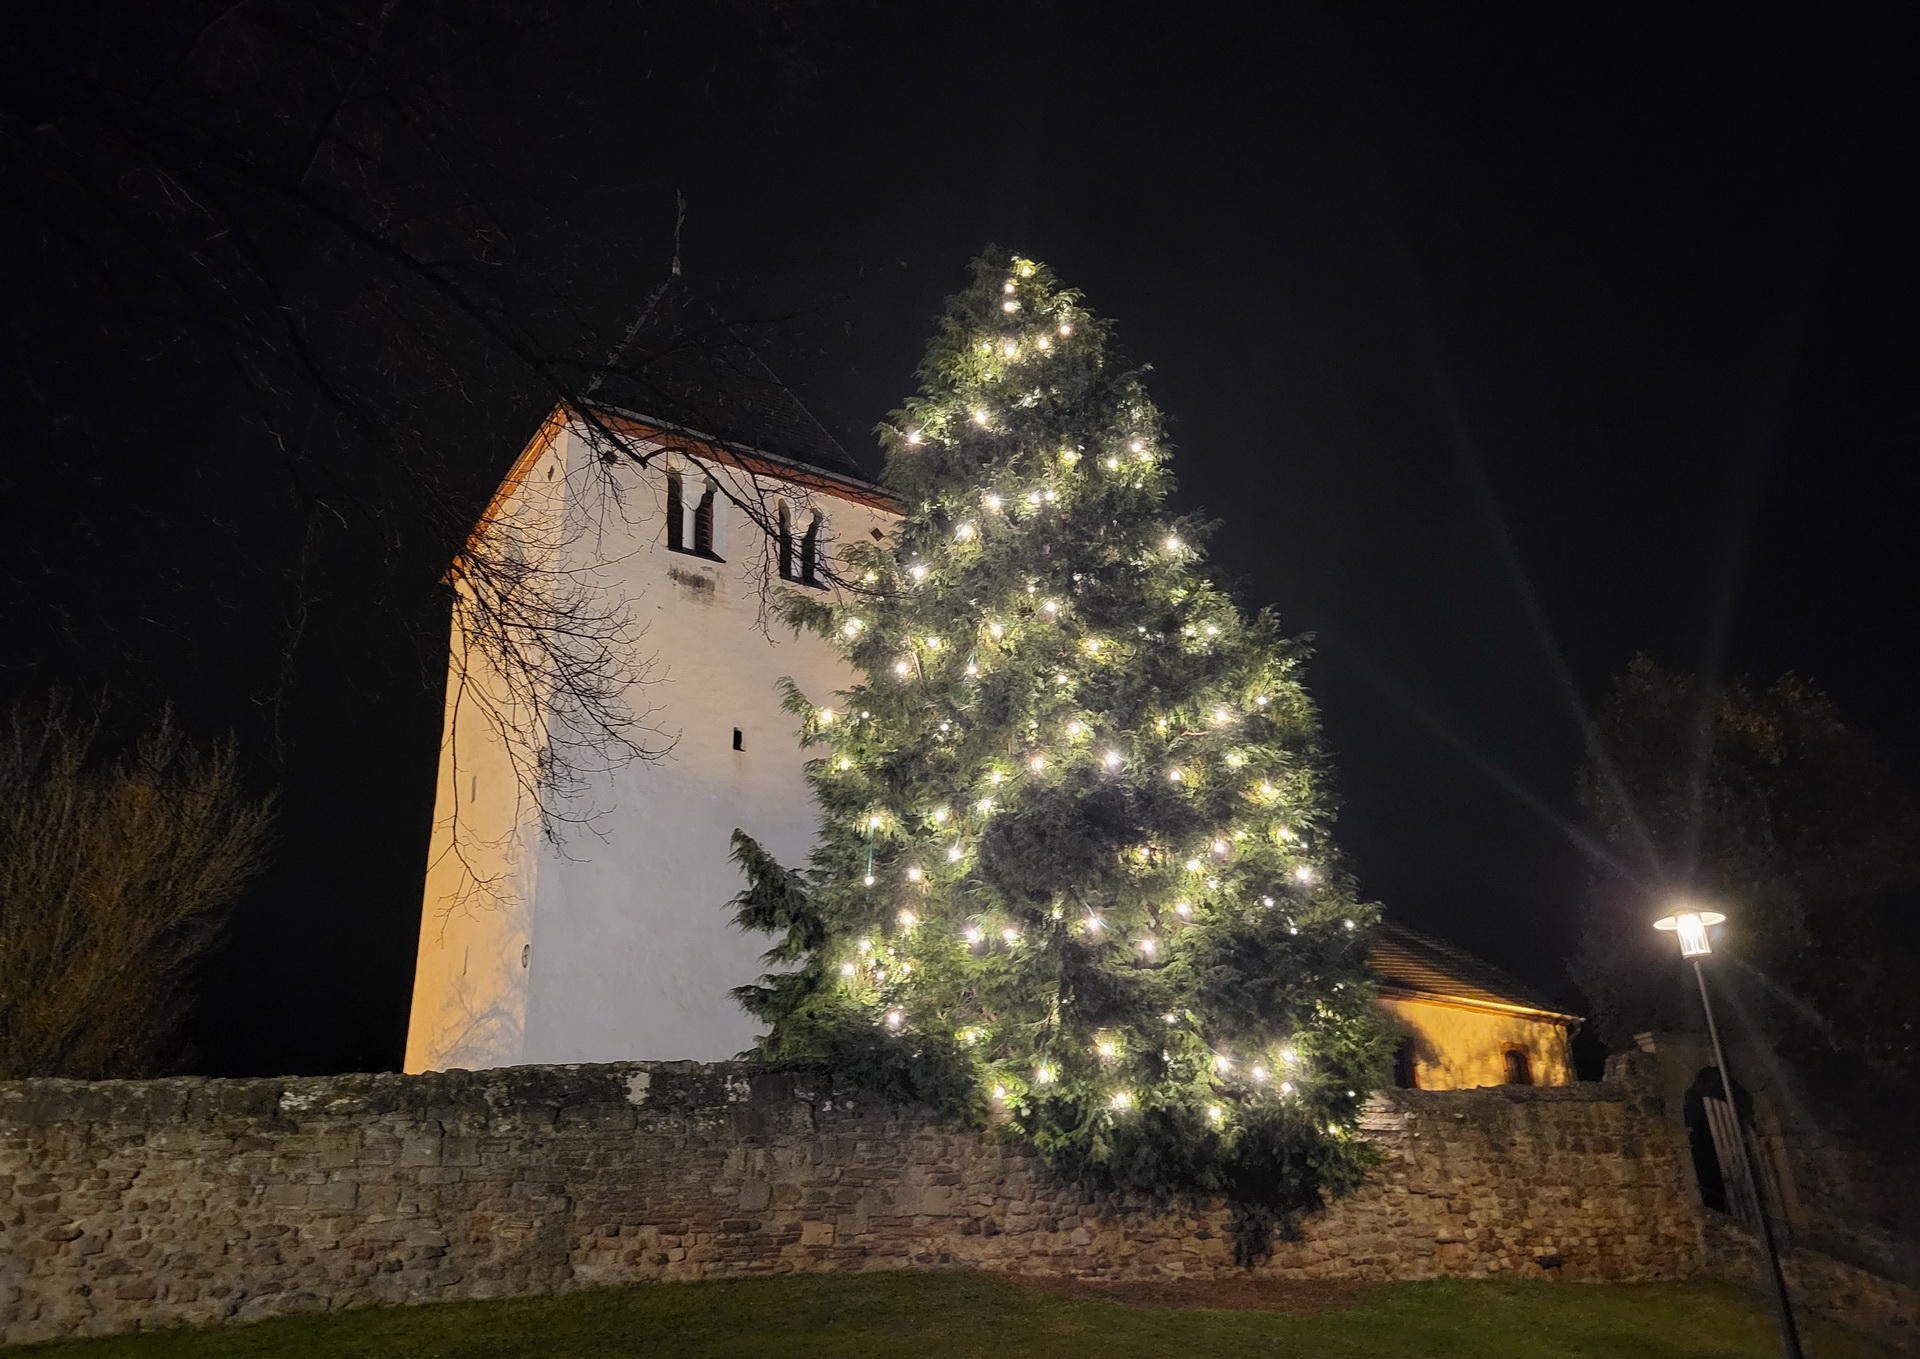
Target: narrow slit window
703, 524
810, 552
676, 514
738, 742
786, 541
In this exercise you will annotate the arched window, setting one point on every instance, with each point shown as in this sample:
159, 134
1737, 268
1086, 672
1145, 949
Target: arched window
786, 541
810, 551
676, 514
703, 524
1519, 1070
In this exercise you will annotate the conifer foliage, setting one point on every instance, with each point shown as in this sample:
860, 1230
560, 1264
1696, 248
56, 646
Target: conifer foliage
1073, 872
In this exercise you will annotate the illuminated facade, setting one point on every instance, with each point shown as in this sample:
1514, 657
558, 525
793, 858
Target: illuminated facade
1465, 1023
618, 942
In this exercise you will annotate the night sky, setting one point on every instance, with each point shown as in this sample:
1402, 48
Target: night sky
1503, 341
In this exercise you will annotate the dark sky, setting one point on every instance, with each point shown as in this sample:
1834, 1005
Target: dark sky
1504, 341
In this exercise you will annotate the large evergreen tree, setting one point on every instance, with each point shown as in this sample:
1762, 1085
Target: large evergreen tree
1073, 869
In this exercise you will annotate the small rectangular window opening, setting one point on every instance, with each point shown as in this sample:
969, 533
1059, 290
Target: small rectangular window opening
676, 514
738, 742
810, 552
786, 541
703, 524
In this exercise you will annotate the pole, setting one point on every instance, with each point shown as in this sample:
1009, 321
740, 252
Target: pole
1782, 1304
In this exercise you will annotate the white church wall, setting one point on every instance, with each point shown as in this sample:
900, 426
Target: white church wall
631, 951
470, 975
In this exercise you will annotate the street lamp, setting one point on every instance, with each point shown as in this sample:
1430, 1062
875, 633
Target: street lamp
1689, 925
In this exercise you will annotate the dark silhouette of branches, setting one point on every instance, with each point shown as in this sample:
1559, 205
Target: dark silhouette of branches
321, 213
113, 878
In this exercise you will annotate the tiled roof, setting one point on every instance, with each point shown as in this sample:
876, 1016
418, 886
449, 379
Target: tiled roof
689, 370
1407, 960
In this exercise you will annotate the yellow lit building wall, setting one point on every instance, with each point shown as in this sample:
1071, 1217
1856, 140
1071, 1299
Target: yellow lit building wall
1459, 1046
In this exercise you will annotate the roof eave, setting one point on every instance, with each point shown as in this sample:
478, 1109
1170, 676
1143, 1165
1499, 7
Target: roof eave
859, 487
1489, 1006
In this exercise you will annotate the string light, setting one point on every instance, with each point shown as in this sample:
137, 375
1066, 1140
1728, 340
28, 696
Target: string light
1057, 722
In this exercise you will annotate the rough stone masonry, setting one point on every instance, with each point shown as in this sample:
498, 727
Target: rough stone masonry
129, 1204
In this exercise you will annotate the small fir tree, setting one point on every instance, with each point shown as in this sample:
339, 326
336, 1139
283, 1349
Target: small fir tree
1073, 870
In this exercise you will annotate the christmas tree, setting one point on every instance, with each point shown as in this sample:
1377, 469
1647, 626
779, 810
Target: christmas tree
1073, 872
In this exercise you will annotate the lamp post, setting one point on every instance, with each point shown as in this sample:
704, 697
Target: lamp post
1690, 926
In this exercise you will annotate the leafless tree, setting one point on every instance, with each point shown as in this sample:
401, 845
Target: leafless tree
113, 878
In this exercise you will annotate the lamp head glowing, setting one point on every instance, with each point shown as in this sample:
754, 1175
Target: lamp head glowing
1691, 928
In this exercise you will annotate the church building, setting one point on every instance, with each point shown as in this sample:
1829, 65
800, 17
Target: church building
599, 930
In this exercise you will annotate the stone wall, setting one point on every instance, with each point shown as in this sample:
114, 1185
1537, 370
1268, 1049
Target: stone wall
128, 1204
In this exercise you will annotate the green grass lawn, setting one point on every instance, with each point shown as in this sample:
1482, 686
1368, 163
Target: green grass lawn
945, 1316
